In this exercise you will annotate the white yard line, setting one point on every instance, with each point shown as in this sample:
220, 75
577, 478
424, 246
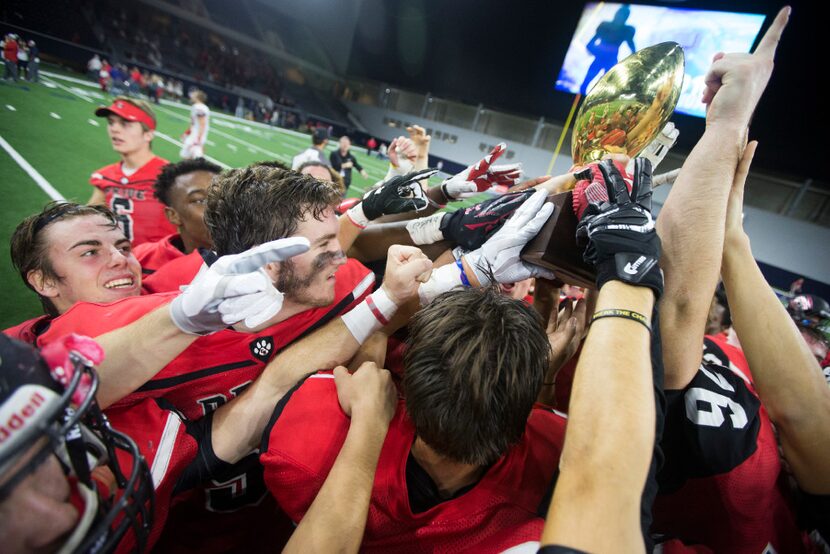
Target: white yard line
70, 91
50, 191
164, 101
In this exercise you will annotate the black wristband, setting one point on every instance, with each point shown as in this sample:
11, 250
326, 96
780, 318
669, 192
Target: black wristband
624, 314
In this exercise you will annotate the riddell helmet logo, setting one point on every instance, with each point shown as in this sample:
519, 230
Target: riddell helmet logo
20, 410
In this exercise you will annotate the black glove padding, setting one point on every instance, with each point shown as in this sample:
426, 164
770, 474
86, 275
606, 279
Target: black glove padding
621, 242
470, 227
397, 195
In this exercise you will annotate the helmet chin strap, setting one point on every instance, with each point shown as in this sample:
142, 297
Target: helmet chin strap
88, 498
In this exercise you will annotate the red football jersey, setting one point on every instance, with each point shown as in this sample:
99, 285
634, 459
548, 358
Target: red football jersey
169, 447
216, 367
175, 273
153, 255
507, 496
132, 199
211, 371
722, 485
29, 330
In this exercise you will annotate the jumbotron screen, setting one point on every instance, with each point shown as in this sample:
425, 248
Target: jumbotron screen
608, 32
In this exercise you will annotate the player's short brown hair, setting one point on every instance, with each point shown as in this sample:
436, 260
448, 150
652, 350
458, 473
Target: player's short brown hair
336, 178
474, 364
29, 247
256, 204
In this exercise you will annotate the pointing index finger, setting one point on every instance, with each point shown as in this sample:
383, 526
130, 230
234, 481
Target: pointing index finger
257, 257
772, 37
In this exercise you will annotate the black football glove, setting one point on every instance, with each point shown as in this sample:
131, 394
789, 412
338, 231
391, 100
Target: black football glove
470, 227
619, 235
397, 195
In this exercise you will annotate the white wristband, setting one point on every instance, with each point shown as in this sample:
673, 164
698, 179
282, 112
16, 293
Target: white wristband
370, 315
426, 230
446, 277
356, 215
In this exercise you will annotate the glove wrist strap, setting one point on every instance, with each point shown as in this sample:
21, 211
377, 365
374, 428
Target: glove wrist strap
426, 230
356, 216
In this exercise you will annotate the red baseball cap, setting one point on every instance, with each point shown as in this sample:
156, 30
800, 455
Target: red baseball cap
128, 111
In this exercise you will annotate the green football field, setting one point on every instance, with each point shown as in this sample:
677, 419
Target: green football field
51, 140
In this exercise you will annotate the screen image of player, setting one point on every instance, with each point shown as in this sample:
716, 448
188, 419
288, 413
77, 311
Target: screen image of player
608, 32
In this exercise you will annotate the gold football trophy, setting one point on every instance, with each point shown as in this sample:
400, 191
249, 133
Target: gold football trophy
622, 114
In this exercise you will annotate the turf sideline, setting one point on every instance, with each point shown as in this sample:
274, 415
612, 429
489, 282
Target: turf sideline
50, 191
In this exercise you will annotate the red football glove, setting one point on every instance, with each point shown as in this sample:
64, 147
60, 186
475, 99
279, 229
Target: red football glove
483, 175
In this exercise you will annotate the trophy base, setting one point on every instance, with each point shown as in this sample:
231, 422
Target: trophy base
555, 246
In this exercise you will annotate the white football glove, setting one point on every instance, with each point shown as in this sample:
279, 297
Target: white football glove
233, 289
500, 255
660, 146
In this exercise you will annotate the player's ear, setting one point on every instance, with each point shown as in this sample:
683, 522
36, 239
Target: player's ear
43, 285
273, 271
172, 216
149, 135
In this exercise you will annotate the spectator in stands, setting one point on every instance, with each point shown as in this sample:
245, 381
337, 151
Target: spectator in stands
93, 67
10, 49
118, 79
316, 153
136, 81
371, 144
343, 160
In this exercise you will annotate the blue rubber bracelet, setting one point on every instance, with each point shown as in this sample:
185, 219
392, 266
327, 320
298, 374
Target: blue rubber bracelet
464, 280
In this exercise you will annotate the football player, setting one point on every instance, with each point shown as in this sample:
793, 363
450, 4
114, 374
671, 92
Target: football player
195, 136
466, 453
721, 486
127, 186
182, 188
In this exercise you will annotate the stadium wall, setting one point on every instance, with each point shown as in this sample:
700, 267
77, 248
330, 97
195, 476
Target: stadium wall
466, 145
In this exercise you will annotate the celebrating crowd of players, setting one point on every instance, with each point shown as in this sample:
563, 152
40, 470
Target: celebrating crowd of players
232, 397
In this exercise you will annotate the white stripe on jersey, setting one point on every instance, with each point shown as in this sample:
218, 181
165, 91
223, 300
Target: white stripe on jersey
161, 461
364, 284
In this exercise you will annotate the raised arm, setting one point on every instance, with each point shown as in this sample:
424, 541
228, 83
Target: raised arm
611, 425
786, 374
691, 221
